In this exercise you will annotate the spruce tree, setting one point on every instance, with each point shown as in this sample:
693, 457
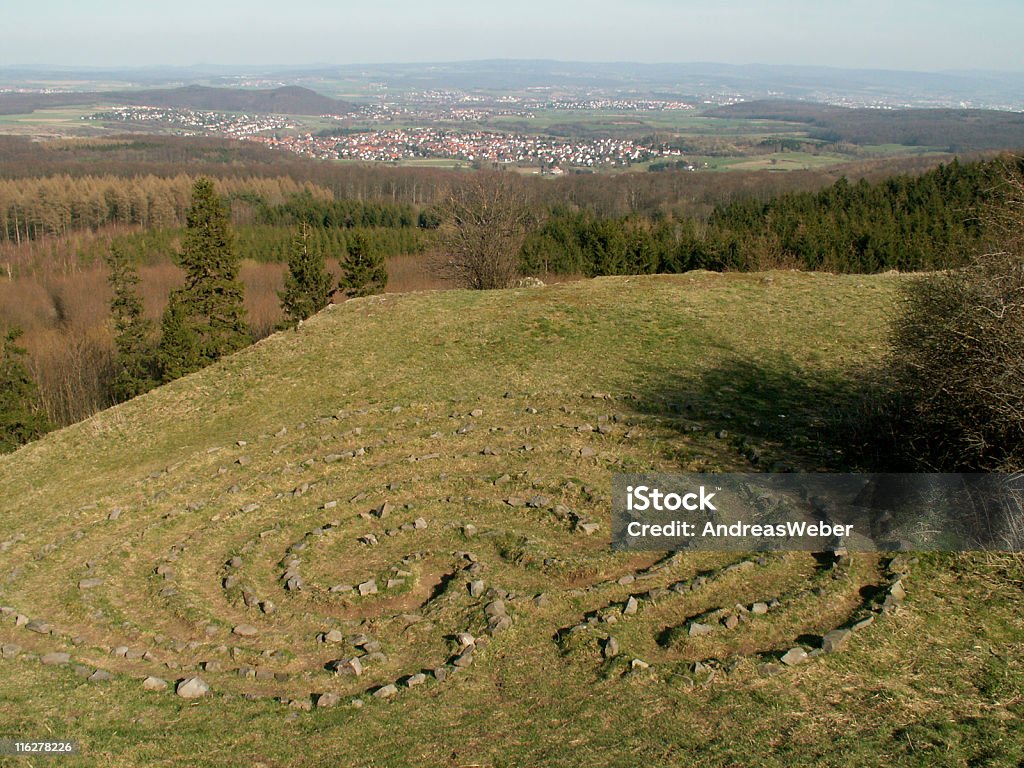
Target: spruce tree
308, 286
20, 416
363, 271
136, 359
205, 319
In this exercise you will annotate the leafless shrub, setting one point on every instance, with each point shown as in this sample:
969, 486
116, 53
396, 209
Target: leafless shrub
485, 221
957, 354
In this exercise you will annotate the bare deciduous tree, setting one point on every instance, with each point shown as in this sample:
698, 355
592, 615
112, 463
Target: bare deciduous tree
485, 221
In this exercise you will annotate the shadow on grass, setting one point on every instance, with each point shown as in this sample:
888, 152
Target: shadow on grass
783, 417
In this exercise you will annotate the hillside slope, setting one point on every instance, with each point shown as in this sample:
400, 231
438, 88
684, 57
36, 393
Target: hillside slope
451, 448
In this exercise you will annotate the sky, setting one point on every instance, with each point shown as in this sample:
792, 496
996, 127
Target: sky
926, 35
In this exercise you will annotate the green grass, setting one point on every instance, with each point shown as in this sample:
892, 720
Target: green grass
678, 357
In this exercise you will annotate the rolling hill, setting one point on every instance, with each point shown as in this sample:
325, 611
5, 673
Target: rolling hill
382, 539
287, 100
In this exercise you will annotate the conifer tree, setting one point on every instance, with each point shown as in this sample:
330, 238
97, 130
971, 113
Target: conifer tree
363, 271
308, 286
205, 319
136, 359
20, 416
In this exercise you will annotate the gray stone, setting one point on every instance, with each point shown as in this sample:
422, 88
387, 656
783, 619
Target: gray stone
440, 674
611, 648
55, 658
588, 528
368, 587
192, 688
638, 665
794, 656
350, 666
10, 651
863, 623
327, 700
465, 658
625, 580
835, 640
495, 608
759, 609
154, 684
696, 629
334, 636
631, 606
100, 675
476, 588
38, 625
413, 680
769, 669
90, 583
464, 639
245, 630
385, 691
469, 530
731, 622
498, 624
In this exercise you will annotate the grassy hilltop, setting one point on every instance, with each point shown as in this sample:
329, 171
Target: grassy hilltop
455, 448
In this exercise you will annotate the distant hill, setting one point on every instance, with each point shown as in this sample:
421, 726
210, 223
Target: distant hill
957, 130
288, 100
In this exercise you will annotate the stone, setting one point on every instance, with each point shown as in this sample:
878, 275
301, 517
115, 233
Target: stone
440, 674
55, 658
394, 583
385, 691
114, 514
245, 630
863, 623
625, 580
350, 666
495, 608
90, 583
759, 609
897, 591
611, 648
369, 539
696, 629
588, 528
794, 656
586, 452
469, 530
631, 606
267, 607
413, 680
498, 624
731, 622
334, 636
768, 669
192, 688
154, 684
476, 588
368, 587
100, 675
638, 665
835, 640
464, 659
211, 666
120, 651
327, 700
37, 625
10, 651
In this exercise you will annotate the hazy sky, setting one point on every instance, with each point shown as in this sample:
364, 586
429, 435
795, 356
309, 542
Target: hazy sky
893, 34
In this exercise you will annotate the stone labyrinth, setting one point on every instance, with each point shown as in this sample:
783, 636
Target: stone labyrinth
368, 552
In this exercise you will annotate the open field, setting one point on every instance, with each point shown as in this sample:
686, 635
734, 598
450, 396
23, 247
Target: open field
429, 441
